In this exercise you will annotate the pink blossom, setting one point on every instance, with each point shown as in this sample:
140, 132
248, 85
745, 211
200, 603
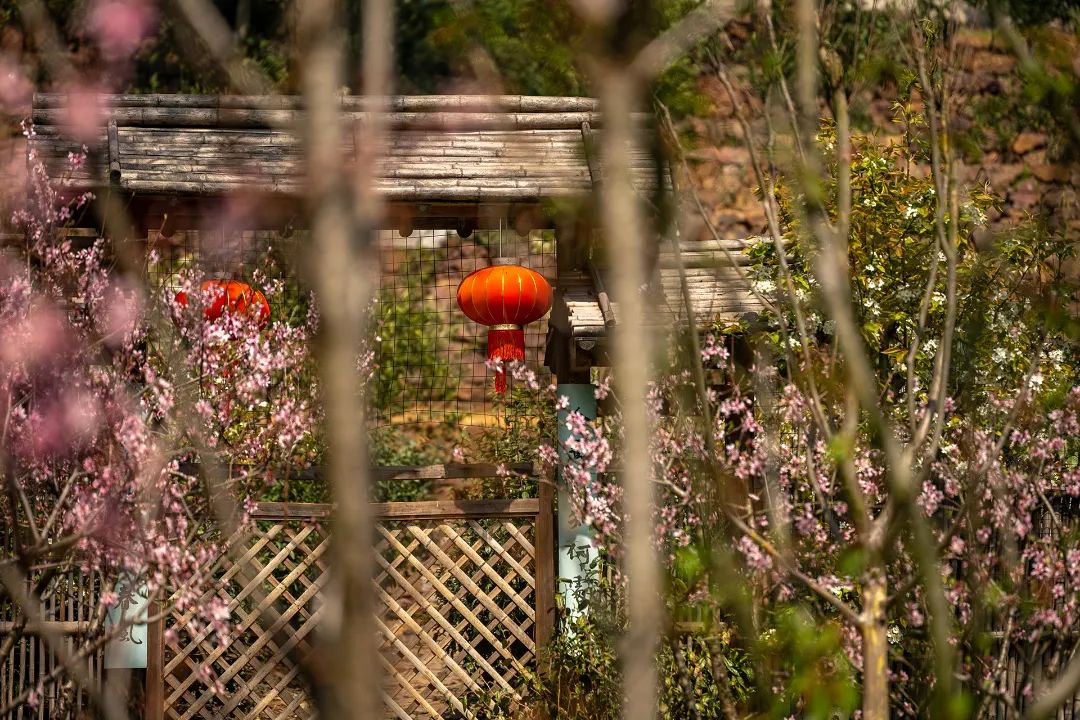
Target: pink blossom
119, 26
84, 113
15, 88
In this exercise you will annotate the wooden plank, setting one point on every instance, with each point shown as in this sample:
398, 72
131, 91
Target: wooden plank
291, 511
173, 142
265, 137
266, 635
252, 586
64, 627
421, 667
474, 189
154, 692
426, 606
447, 471
451, 509
225, 170
470, 586
492, 571
502, 552
545, 565
401, 191
466, 586
389, 473
406, 684
429, 509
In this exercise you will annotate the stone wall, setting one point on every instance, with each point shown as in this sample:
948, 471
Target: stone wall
1004, 141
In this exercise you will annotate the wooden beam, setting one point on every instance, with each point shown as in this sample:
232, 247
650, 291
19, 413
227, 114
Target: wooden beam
456, 509
114, 153
190, 213
448, 471
154, 690
63, 627
400, 103
190, 117
545, 565
291, 511
405, 190
420, 510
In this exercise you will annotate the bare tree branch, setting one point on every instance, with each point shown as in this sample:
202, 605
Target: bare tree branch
344, 287
694, 27
623, 223
206, 20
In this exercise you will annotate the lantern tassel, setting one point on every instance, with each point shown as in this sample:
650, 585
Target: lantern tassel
506, 343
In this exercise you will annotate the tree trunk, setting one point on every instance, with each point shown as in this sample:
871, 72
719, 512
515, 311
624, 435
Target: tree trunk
875, 648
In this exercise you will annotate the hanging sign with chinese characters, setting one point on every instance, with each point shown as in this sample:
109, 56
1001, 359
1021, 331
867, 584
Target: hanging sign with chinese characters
128, 648
577, 555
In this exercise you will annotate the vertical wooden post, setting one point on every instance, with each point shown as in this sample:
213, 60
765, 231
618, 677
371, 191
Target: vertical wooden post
545, 565
155, 668
545, 577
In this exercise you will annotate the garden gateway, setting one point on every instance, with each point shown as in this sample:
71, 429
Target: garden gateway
466, 588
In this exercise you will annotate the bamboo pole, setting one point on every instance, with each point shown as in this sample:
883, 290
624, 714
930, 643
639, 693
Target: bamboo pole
400, 103
184, 117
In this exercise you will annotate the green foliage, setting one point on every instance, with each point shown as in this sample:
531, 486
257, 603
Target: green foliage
579, 675
860, 50
998, 119
1005, 294
818, 680
527, 420
410, 355
392, 446
533, 43
534, 46
1035, 12
422, 65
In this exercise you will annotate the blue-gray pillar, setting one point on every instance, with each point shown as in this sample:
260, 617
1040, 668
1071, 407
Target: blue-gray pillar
576, 551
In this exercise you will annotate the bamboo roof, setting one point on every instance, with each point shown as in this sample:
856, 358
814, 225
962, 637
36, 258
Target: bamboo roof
716, 283
439, 148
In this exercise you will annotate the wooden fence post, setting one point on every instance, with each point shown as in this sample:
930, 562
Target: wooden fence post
155, 667
545, 565
545, 576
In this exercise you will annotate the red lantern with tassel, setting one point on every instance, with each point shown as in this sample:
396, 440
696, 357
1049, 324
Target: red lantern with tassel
505, 297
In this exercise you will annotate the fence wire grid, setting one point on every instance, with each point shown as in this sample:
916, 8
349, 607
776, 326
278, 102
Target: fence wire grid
430, 357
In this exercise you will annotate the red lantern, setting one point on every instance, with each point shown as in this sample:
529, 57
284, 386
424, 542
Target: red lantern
231, 296
505, 297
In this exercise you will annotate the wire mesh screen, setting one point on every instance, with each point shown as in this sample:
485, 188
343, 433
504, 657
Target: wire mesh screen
431, 357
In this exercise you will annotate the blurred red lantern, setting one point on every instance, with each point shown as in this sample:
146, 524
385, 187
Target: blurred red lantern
505, 297
231, 296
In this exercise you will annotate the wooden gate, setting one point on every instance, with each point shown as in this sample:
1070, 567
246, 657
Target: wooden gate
464, 591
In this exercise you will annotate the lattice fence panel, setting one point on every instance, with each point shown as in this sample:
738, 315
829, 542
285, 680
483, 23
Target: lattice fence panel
272, 590
456, 621
458, 611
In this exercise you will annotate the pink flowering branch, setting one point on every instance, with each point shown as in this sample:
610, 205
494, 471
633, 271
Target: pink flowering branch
785, 562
